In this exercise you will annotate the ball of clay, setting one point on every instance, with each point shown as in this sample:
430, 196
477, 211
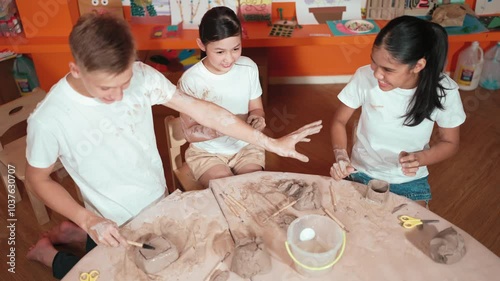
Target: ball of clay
152, 261
310, 198
447, 246
250, 258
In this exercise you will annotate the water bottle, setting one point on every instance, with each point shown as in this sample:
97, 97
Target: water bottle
25, 75
469, 67
490, 78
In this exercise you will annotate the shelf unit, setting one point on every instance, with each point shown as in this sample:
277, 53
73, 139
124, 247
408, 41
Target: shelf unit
311, 51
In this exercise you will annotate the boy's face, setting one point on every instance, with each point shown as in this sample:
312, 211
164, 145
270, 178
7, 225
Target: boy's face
222, 54
103, 86
392, 74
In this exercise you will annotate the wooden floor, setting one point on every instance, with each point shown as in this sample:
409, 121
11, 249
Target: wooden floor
466, 188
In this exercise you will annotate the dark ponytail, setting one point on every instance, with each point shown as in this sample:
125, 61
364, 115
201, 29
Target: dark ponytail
409, 39
218, 23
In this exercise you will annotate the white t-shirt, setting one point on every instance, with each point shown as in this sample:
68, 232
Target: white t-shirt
381, 135
108, 149
232, 90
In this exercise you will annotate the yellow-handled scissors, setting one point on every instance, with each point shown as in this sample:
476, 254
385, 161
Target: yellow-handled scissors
410, 222
89, 276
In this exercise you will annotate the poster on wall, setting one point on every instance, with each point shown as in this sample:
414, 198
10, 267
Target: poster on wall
256, 10
150, 11
318, 11
101, 6
190, 12
487, 7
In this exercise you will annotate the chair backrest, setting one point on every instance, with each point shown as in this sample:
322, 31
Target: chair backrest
19, 110
175, 140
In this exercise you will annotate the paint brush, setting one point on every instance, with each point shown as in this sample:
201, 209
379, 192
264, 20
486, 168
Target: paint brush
334, 218
232, 199
141, 245
281, 210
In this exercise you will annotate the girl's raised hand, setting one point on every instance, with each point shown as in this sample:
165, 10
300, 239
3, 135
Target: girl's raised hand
409, 163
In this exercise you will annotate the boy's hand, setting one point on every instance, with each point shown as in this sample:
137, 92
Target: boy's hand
409, 163
105, 232
257, 122
285, 146
342, 168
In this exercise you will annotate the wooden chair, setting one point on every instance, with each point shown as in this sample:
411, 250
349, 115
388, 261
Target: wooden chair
182, 177
13, 154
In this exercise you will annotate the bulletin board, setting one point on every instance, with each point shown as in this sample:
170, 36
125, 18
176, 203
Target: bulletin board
487, 7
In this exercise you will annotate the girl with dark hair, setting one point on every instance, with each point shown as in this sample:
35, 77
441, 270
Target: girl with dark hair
402, 93
230, 80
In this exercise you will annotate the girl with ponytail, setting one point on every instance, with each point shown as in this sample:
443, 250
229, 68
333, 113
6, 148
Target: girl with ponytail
402, 93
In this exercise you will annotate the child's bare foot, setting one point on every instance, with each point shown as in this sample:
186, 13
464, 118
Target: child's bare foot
65, 233
43, 252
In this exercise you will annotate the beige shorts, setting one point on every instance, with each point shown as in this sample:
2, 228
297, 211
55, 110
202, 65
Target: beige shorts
199, 160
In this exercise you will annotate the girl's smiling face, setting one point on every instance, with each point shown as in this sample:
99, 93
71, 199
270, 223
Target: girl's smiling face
222, 54
392, 74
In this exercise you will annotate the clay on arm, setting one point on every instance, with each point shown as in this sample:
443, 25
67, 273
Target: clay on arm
195, 132
213, 116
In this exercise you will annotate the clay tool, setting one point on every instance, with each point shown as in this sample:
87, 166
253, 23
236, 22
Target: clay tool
141, 245
334, 200
397, 208
335, 219
230, 205
216, 266
233, 200
281, 210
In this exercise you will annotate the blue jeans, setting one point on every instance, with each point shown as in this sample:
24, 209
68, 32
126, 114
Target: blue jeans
416, 190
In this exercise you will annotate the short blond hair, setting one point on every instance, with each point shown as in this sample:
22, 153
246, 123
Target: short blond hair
102, 42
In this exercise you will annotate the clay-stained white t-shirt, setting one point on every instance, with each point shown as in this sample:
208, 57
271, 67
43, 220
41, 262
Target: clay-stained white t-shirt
108, 149
232, 90
381, 135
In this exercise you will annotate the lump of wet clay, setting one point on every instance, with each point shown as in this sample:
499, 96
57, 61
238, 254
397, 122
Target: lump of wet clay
220, 275
284, 221
250, 258
447, 246
310, 198
152, 261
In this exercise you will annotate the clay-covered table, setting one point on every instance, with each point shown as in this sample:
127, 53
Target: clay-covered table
204, 228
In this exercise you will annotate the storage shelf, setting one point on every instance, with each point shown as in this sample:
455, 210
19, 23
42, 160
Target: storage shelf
258, 36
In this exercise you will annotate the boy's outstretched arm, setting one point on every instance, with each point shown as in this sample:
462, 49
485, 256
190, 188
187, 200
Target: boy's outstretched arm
213, 116
56, 197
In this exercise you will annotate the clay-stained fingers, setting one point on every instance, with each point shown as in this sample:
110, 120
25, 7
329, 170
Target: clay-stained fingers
106, 232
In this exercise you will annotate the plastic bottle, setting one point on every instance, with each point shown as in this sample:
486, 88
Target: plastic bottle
25, 74
490, 78
469, 67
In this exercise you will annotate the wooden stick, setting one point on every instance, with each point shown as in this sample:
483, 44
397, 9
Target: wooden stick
280, 210
216, 266
230, 206
140, 245
335, 219
334, 199
232, 199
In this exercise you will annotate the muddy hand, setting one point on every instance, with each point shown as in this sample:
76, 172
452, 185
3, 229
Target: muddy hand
300, 135
342, 168
105, 232
409, 163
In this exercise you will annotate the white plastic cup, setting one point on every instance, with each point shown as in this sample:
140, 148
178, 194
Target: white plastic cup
315, 257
